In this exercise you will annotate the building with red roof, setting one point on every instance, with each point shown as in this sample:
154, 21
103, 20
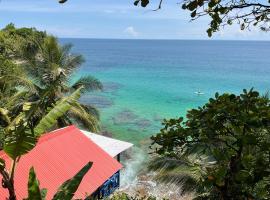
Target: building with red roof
59, 155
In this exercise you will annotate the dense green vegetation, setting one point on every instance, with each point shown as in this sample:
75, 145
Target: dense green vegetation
34, 63
35, 97
222, 150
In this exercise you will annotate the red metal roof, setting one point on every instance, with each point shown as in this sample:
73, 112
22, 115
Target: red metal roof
58, 156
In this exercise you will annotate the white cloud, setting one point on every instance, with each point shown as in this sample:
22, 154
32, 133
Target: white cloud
131, 31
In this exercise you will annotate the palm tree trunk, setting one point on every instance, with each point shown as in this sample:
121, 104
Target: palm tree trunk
8, 184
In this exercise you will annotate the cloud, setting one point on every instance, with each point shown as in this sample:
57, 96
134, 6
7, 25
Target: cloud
109, 11
131, 31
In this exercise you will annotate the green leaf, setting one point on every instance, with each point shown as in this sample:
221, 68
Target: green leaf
68, 188
242, 26
19, 142
62, 106
184, 6
136, 2
144, 3
209, 32
193, 14
192, 5
62, 1
34, 191
242, 175
43, 193
89, 84
212, 3
2, 164
229, 22
200, 2
4, 115
27, 106
249, 139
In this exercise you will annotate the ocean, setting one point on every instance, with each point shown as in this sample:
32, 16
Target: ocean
146, 81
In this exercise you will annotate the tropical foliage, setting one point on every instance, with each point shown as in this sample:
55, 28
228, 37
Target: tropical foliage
36, 95
52, 68
221, 150
33, 64
19, 43
21, 135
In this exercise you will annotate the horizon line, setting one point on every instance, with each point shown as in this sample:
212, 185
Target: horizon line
172, 39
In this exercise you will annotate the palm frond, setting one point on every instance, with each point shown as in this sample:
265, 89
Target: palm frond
21, 81
61, 107
92, 110
4, 115
172, 170
18, 140
16, 100
51, 52
84, 118
66, 49
71, 63
89, 83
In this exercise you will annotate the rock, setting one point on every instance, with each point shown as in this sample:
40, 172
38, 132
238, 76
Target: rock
143, 123
97, 101
125, 116
111, 87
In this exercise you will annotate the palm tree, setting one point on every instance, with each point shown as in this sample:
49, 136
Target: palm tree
187, 171
14, 88
52, 67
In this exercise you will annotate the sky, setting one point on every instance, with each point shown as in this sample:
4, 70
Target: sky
114, 19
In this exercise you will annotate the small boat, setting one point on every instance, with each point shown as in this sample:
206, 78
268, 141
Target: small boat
199, 93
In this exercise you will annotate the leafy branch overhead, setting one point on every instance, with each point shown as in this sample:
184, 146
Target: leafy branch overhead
245, 13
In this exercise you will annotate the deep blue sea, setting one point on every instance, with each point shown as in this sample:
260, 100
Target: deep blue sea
148, 80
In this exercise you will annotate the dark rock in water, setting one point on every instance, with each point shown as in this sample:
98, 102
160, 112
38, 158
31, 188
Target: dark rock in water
130, 119
132, 130
143, 123
125, 116
97, 101
111, 87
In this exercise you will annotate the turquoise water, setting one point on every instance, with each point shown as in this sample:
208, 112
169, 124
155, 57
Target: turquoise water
148, 80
